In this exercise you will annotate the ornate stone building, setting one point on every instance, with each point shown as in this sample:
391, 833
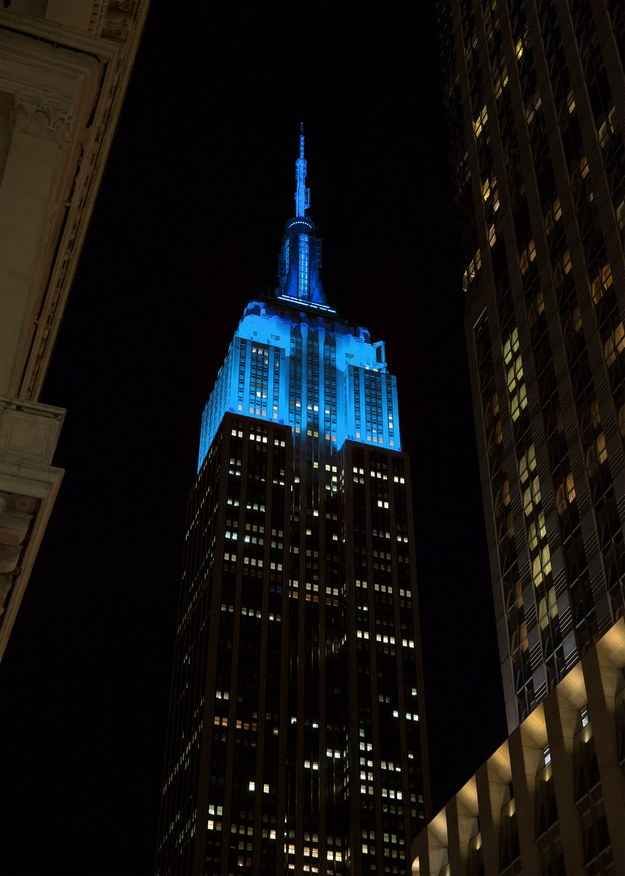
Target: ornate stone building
64, 67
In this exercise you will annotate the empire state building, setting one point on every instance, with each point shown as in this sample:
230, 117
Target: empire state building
294, 739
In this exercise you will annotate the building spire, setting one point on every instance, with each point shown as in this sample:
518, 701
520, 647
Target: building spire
302, 194
300, 255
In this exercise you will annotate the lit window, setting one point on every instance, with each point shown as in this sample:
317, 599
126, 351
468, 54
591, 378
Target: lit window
614, 345
511, 346
515, 374
479, 123
546, 755
570, 102
527, 463
602, 449
537, 531
601, 283
518, 402
566, 262
584, 168
541, 565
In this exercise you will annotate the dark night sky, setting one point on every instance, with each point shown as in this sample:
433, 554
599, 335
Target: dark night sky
186, 229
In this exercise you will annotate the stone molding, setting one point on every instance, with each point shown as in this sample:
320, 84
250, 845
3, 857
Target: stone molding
29, 432
43, 118
111, 48
28, 496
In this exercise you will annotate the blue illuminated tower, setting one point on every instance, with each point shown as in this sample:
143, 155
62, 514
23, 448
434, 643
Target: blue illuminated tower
294, 738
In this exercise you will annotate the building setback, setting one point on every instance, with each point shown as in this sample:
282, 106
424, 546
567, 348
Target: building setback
551, 799
537, 95
294, 737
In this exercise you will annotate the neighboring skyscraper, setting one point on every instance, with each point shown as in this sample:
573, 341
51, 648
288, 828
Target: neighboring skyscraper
538, 93
294, 741
550, 800
65, 67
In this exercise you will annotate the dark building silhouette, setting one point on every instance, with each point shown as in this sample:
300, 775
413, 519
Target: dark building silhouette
294, 734
537, 94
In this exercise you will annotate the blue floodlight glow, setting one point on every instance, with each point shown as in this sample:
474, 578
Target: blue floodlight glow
293, 362
323, 378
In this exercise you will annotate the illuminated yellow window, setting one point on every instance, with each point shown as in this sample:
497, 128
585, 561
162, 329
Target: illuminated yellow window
531, 496
501, 81
603, 134
486, 189
547, 607
511, 346
615, 344
541, 565
527, 463
532, 536
480, 121
537, 572
522, 397
566, 262
584, 168
557, 210
528, 505
570, 102
537, 531
570, 488
519, 49
518, 402
534, 105
523, 474
515, 374
601, 283
602, 449
545, 556
492, 235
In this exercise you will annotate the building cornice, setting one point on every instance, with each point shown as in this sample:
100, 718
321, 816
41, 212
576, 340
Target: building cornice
92, 136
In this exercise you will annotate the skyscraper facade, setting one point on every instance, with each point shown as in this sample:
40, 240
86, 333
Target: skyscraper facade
537, 92
294, 734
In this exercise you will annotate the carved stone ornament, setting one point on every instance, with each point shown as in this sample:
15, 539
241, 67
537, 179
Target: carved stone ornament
34, 115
